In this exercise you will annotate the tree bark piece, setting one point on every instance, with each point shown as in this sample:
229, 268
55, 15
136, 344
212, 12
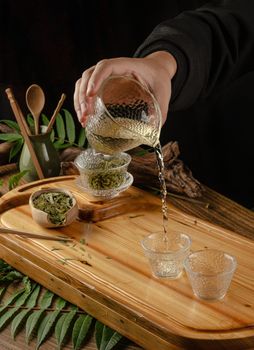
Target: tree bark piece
178, 176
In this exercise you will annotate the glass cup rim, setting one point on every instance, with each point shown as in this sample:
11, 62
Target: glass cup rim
92, 170
164, 253
197, 273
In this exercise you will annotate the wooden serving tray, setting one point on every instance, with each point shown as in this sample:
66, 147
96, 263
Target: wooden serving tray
105, 272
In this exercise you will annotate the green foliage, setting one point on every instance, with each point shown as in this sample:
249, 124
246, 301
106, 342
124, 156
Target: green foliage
10, 137
44, 315
106, 338
14, 179
63, 134
48, 322
80, 330
12, 124
21, 317
63, 325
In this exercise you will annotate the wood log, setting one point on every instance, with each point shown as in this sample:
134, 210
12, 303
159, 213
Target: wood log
178, 176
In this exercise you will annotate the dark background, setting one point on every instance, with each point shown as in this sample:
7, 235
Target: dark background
51, 42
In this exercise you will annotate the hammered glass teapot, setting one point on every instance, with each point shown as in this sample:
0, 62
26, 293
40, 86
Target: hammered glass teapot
126, 115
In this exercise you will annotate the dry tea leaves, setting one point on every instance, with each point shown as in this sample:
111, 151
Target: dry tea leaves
107, 175
55, 204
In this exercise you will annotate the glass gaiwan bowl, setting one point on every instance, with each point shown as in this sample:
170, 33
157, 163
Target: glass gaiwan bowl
103, 176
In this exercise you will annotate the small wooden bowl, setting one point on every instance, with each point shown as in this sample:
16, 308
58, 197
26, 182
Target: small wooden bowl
42, 218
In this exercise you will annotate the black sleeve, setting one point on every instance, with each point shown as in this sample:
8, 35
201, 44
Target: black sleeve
213, 46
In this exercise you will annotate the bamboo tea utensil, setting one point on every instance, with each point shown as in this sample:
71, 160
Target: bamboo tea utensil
24, 130
56, 111
35, 100
33, 235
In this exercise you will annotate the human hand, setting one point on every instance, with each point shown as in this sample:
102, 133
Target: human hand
154, 71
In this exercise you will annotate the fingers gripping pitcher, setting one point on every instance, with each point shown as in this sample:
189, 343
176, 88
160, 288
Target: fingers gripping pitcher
125, 116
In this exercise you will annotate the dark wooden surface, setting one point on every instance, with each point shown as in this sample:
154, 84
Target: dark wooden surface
213, 207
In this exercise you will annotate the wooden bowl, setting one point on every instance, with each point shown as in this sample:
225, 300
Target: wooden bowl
43, 218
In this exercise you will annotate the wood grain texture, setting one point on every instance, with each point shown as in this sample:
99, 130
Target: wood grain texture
105, 272
219, 210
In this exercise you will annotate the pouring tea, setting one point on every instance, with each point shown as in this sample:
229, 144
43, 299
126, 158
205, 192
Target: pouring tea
126, 115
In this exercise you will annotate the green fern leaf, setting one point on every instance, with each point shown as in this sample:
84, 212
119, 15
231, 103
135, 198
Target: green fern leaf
30, 120
15, 149
18, 322
106, 338
115, 338
47, 299
34, 319
32, 301
45, 119
48, 322
58, 328
10, 137
11, 276
60, 128
98, 333
70, 126
32, 323
60, 303
11, 300
80, 330
82, 138
46, 327
11, 123
27, 284
7, 316
14, 179
63, 325
59, 145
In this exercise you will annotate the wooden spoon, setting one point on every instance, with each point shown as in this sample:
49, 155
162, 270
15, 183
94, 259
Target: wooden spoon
35, 100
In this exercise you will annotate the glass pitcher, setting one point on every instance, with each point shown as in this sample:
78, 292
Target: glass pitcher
126, 115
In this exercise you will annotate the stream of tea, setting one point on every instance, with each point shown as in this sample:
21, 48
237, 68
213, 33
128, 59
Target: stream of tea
163, 188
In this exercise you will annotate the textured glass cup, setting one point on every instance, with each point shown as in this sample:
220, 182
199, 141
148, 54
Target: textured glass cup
166, 258
210, 272
103, 176
126, 115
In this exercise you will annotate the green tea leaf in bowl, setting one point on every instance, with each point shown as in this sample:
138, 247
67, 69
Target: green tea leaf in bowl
55, 207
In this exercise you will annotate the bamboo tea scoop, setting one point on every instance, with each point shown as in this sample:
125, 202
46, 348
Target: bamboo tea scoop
56, 111
33, 235
35, 100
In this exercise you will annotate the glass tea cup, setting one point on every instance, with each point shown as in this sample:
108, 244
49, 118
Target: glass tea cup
126, 115
103, 176
166, 256
210, 272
